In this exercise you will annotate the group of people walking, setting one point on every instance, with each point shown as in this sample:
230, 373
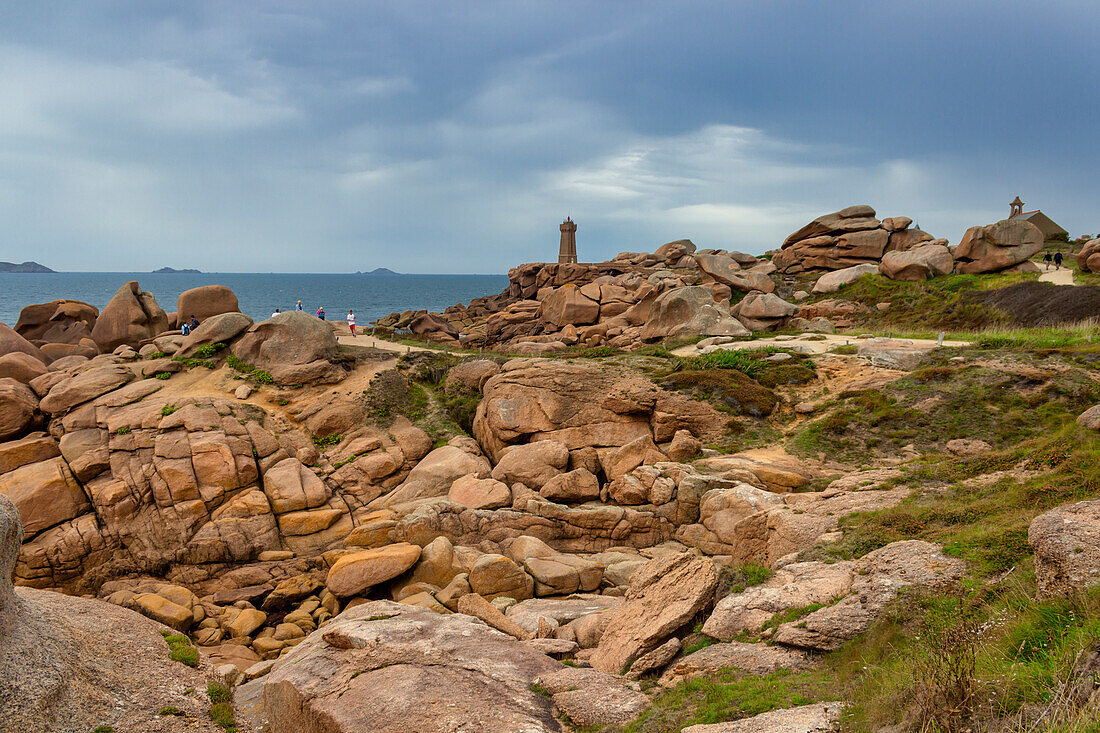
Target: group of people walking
1057, 260
321, 314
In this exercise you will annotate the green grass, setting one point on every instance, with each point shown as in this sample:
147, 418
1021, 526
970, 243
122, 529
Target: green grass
984, 523
728, 695
327, 440
208, 350
122, 431
162, 375
180, 650
168, 410
218, 692
222, 715
170, 710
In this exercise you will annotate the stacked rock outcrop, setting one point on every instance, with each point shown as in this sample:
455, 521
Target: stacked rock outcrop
851, 236
675, 292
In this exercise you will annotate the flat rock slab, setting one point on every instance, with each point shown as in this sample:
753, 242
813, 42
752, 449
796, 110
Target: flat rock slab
393, 668
817, 718
757, 659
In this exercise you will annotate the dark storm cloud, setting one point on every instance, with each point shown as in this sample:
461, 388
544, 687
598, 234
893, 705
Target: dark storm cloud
452, 137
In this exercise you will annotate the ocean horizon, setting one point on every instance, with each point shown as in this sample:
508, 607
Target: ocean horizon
258, 293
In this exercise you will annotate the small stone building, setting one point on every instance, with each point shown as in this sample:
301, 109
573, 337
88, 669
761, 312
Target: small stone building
1052, 232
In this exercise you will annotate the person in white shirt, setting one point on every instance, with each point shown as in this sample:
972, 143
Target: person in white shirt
275, 313
351, 321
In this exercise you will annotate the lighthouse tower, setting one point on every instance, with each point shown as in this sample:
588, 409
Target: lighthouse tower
568, 250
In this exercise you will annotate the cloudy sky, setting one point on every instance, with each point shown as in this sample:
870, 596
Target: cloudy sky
455, 136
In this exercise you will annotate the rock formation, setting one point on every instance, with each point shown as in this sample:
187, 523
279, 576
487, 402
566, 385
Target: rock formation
851, 236
129, 318
1088, 258
675, 292
997, 247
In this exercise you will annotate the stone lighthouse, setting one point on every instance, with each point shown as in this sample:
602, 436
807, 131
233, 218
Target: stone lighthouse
568, 250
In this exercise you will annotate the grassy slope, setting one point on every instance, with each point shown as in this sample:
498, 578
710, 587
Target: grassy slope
1019, 390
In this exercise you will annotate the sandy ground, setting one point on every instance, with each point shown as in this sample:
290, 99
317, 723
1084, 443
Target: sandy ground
346, 339
810, 343
1061, 276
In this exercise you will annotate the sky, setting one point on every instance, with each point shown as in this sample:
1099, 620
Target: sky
444, 137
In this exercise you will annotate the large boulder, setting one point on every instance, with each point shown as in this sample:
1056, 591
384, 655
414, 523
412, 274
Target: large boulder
59, 321
433, 326
532, 464
45, 493
395, 668
1066, 541
218, 328
358, 571
71, 664
568, 304
84, 386
762, 311
1088, 258
833, 281
21, 367
851, 219
997, 246
664, 595
18, 405
435, 473
690, 311
923, 262
205, 301
294, 347
129, 318
10, 342
724, 269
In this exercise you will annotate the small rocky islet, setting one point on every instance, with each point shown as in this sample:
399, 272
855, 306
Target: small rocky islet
587, 496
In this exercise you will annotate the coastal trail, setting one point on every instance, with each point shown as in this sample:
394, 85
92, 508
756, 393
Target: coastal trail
1062, 276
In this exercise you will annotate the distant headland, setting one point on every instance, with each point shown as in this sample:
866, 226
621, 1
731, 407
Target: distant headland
23, 267
378, 271
174, 271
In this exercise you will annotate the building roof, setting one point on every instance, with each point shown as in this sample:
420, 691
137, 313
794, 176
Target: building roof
1046, 225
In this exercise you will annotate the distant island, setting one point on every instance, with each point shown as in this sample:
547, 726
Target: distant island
174, 271
378, 271
24, 267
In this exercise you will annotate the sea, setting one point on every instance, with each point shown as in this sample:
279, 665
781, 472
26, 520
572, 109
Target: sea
259, 294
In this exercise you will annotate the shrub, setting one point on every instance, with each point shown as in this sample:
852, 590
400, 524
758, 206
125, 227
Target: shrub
218, 692
168, 410
327, 440
188, 655
170, 710
163, 375
238, 365
222, 714
122, 431
262, 376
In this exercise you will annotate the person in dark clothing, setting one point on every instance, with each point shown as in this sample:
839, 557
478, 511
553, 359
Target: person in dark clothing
1057, 260
194, 322
1046, 260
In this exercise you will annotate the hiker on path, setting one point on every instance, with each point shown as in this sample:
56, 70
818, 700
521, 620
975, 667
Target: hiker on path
321, 313
299, 305
1046, 260
351, 321
1057, 260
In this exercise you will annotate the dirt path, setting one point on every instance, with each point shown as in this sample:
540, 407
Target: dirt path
1061, 276
810, 343
377, 343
